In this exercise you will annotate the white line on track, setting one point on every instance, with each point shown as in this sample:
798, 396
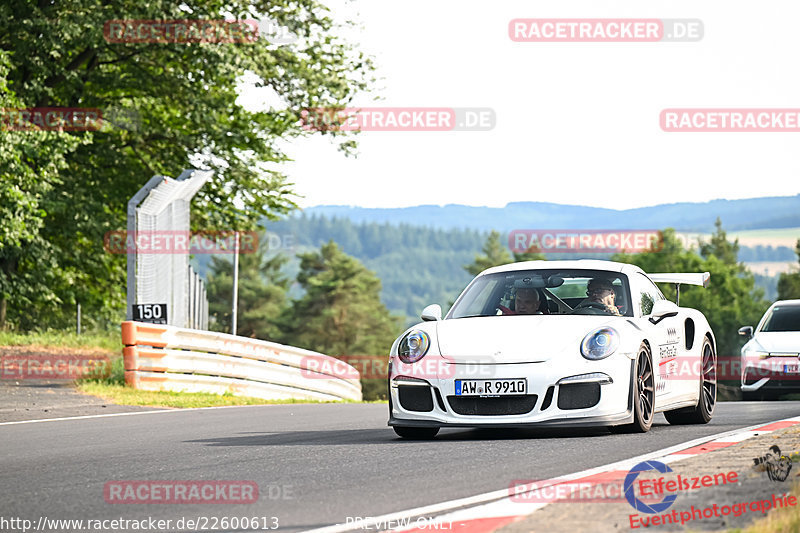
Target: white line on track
496, 495
85, 417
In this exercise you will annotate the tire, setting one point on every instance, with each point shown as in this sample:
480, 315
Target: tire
645, 395
414, 433
704, 410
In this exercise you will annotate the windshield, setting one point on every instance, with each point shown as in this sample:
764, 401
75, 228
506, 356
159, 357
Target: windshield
783, 318
545, 292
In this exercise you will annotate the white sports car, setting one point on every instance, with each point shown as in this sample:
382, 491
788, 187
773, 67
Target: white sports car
770, 364
536, 343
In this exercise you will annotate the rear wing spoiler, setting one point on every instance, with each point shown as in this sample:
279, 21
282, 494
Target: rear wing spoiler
700, 279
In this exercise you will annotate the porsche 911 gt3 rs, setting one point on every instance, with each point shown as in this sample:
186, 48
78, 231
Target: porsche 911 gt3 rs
543, 343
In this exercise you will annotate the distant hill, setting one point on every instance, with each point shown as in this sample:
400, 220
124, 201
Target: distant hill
751, 213
419, 266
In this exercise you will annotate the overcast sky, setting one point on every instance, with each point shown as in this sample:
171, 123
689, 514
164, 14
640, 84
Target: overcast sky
577, 123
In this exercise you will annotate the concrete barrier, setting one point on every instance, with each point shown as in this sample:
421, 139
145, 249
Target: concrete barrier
167, 358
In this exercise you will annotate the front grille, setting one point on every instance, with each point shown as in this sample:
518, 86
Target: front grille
415, 398
504, 405
578, 395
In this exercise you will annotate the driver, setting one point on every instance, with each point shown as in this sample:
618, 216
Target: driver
601, 291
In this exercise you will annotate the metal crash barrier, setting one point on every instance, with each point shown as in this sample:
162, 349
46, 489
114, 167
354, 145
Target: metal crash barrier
168, 358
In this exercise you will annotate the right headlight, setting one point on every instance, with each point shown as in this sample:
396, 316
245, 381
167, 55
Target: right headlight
600, 343
413, 346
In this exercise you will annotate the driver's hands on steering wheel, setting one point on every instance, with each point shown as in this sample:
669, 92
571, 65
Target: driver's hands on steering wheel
601, 306
593, 305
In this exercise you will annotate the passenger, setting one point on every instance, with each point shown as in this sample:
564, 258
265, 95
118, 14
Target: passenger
527, 301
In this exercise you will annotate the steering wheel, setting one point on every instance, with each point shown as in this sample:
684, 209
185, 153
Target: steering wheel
592, 305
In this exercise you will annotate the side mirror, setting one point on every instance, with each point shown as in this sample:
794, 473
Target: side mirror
746, 331
663, 309
431, 313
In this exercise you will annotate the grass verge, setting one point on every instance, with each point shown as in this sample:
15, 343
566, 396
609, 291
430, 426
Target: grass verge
782, 520
112, 388
110, 340
122, 395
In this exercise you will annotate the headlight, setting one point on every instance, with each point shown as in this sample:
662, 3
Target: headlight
413, 347
753, 352
600, 343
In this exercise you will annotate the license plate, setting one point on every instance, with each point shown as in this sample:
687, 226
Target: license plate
491, 387
791, 369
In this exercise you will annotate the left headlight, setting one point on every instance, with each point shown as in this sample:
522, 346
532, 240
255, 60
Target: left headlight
413, 347
600, 343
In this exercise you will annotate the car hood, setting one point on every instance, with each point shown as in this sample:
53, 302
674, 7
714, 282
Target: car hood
515, 339
779, 341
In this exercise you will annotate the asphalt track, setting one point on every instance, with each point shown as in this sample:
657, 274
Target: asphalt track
315, 465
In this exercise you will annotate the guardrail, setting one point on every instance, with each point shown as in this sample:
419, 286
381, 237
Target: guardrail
168, 358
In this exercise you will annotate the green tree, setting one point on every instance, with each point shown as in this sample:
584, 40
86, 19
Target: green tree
789, 282
731, 299
720, 247
341, 313
30, 163
262, 299
528, 256
494, 254
183, 99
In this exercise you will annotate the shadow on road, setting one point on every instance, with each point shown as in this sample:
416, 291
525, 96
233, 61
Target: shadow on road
340, 437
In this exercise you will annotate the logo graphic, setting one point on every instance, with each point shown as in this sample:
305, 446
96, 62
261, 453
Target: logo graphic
777, 466
638, 504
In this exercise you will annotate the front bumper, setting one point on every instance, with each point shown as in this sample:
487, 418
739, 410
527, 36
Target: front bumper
550, 400
770, 374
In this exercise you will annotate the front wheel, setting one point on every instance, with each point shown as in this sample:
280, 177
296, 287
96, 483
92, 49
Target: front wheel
414, 433
644, 401
701, 414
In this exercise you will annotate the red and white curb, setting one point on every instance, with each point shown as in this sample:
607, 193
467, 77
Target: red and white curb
488, 512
